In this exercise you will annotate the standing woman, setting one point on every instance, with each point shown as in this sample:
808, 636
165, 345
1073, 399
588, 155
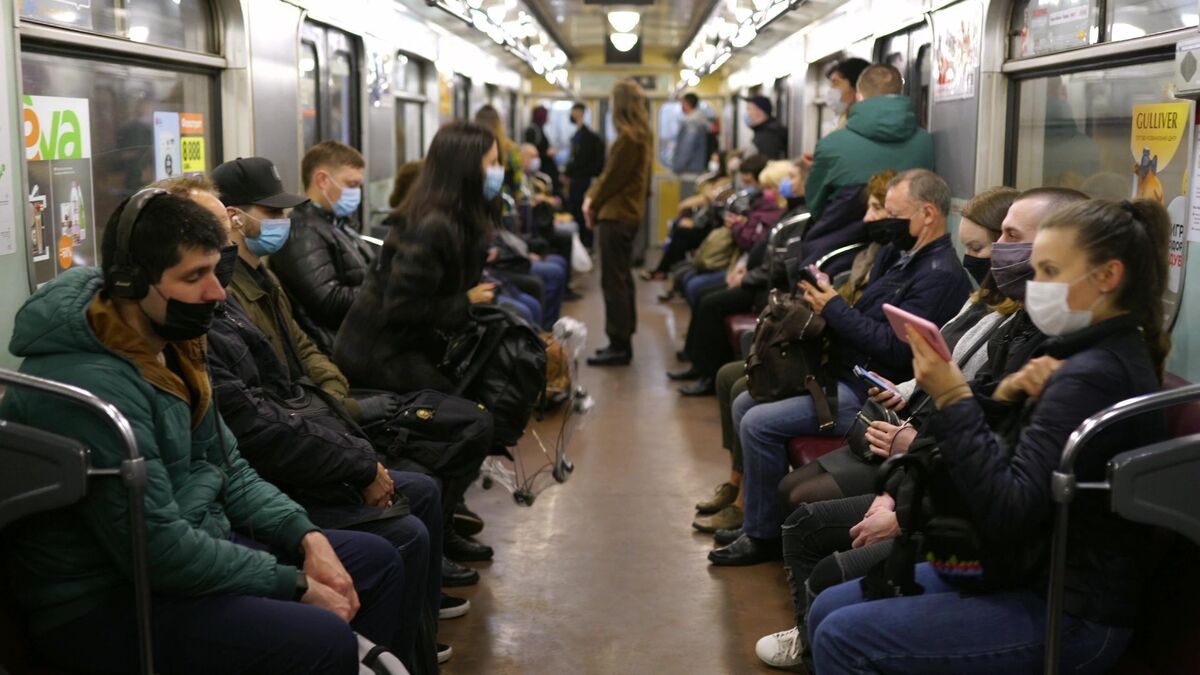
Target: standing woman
428, 273
615, 206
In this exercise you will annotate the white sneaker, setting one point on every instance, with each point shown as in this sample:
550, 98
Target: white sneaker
782, 649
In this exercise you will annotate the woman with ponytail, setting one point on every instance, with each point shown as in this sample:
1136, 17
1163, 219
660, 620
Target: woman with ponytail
1100, 270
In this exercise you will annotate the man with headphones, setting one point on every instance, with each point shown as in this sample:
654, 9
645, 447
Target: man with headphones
242, 579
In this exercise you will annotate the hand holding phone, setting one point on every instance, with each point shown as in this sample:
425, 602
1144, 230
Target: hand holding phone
814, 276
901, 320
864, 374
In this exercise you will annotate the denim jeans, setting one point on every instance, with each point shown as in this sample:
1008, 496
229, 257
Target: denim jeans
943, 631
765, 429
526, 306
698, 282
553, 270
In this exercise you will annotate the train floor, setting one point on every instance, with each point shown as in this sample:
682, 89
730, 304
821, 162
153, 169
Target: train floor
604, 573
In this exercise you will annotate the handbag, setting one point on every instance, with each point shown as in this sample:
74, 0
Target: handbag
787, 356
856, 440
716, 251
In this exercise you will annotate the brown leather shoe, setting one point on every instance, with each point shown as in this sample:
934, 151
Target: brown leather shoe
728, 518
723, 496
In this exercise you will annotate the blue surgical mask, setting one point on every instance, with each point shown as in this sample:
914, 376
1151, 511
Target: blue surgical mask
493, 180
348, 203
746, 119
785, 188
272, 235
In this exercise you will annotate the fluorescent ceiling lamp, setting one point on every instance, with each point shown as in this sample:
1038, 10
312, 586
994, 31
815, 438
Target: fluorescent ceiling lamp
624, 21
744, 37
496, 13
139, 33
475, 4
760, 5
623, 41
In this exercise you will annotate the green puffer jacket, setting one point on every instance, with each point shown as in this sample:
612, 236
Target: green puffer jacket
66, 562
880, 133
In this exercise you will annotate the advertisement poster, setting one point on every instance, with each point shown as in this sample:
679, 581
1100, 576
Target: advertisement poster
1055, 25
957, 30
58, 148
1158, 132
191, 143
166, 145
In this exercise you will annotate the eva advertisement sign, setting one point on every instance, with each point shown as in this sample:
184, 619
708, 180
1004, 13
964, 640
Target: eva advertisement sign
58, 149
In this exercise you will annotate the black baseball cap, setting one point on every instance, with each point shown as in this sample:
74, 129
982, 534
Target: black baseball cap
253, 180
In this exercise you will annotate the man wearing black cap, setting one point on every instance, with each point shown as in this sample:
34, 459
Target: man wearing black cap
770, 137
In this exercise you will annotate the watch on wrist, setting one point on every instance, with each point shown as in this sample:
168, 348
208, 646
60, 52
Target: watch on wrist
301, 586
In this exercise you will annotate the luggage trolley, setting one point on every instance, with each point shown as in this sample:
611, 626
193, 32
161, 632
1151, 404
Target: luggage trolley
43, 471
1154, 485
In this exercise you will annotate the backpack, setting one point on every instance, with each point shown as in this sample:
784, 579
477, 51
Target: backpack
787, 356
499, 361
433, 432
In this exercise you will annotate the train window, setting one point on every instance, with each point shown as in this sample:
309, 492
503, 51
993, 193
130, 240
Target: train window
96, 132
310, 111
670, 118
341, 98
1128, 19
462, 97
895, 54
183, 24
1074, 130
409, 78
920, 94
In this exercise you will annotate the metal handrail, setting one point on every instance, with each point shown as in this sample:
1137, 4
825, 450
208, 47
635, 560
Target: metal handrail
1063, 489
849, 248
132, 472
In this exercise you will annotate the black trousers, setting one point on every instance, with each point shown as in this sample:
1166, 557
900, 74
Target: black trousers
683, 241
707, 343
818, 550
616, 280
579, 188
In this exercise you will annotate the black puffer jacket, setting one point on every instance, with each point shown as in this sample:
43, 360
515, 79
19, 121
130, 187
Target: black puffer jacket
322, 266
415, 294
1008, 492
314, 464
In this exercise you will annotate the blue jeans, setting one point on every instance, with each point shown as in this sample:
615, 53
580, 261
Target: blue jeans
698, 282
943, 631
228, 633
526, 306
554, 270
764, 430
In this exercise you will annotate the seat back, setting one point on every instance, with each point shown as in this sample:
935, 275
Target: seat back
39, 471
1156, 485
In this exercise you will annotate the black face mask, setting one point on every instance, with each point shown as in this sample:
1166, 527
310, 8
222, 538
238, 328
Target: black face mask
224, 269
892, 231
977, 267
184, 320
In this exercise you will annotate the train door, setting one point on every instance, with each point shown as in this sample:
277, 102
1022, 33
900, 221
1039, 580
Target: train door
462, 97
410, 103
329, 86
909, 52
115, 96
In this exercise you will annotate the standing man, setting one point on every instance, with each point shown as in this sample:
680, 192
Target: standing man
535, 134
324, 262
586, 162
770, 137
134, 335
691, 145
842, 93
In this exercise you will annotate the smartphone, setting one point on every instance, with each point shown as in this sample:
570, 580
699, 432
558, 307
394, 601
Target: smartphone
901, 320
864, 374
812, 274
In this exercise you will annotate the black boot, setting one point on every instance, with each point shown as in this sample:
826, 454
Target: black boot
705, 386
612, 355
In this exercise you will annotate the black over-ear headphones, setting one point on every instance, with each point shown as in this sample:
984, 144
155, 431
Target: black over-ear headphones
126, 278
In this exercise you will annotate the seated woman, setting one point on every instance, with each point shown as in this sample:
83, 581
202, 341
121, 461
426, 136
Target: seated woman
748, 230
692, 222
428, 272
1101, 269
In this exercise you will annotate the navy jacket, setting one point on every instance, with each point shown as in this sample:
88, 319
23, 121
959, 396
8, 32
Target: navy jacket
840, 224
1008, 491
931, 284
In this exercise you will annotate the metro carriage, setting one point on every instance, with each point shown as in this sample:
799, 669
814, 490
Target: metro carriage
602, 573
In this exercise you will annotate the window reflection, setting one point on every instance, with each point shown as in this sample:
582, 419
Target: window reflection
1128, 19
310, 116
184, 24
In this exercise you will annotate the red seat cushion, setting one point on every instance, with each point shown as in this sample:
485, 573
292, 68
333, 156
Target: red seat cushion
1182, 420
735, 325
805, 449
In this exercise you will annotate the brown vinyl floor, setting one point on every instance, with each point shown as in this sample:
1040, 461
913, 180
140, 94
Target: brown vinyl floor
604, 574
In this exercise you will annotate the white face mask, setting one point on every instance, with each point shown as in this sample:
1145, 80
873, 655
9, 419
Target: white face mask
714, 166
833, 99
1046, 302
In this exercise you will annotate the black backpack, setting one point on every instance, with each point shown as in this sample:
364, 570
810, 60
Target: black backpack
498, 361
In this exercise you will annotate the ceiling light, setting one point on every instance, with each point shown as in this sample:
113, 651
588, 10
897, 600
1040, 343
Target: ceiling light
743, 37
139, 33
475, 4
496, 13
760, 5
623, 41
624, 21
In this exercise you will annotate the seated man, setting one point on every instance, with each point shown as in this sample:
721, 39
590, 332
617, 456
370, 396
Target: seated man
324, 262
918, 272
222, 602
254, 202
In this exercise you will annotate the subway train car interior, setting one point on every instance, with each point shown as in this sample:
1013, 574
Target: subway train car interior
600, 336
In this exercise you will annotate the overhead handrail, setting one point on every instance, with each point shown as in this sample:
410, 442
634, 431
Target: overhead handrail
1063, 488
132, 472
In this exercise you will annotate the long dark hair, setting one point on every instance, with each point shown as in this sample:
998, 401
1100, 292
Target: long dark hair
451, 180
1136, 233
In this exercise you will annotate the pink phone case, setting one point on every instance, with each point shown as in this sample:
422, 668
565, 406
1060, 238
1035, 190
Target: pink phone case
900, 321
